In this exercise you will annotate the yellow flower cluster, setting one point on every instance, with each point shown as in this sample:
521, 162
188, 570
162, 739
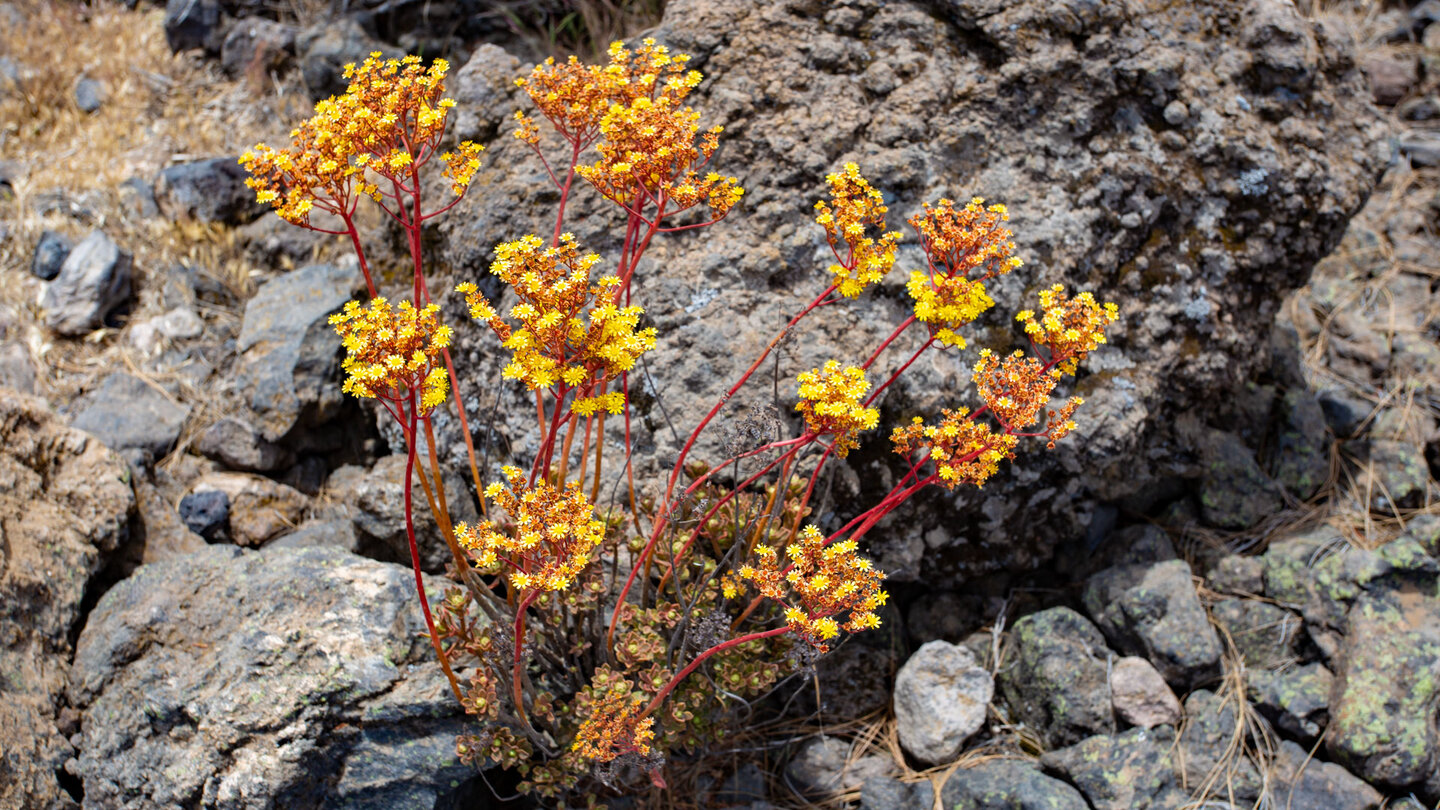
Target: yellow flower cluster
390, 351
575, 97
559, 340
649, 148
389, 121
947, 303
854, 208
830, 400
823, 581
964, 450
1069, 328
1016, 389
615, 728
958, 241
553, 533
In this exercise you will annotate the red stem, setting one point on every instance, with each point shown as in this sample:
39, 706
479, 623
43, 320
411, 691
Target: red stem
699, 659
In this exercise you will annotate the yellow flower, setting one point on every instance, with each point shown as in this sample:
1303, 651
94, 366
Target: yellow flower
1069, 328
854, 208
830, 400
963, 449
550, 537
391, 351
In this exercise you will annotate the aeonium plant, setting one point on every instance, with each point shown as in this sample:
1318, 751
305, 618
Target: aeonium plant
594, 645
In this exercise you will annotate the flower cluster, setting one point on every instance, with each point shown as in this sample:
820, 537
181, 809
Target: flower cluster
854, 208
964, 450
1015, 389
824, 581
615, 728
575, 97
553, 533
947, 303
1069, 328
830, 400
389, 121
559, 340
958, 241
392, 350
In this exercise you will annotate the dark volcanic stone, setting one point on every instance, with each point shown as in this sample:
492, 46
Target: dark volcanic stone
211, 190
207, 514
1007, 784
131, 417
1056, 680
93, 280
50, 253
1153, 611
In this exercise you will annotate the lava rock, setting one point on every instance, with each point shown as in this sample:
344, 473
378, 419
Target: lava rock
1056, 682
1234, 492
207, 513
1301, 457
1344, 412
255, 44
483, 90
259, 507
1265, 635
820, 767
1386, 700
378, 501
65, 501
743, 786
1396, 475
131, 417
158, 533
210, 190
192, 24
1304, 783
1296, 701
90, 94
327, 47
1153, 611
1140, 695
137, 196
1206, 746
337, 533
262, 699
1126, 771
1424, 529
288, 366
941, 697
1238, 574
49, 257
93, 281
236, 443
1007, 784
1391, 77
883, 793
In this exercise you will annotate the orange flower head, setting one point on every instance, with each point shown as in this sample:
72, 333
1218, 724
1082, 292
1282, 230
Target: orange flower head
1016, 389
821, 582
1070, 328
615, 728
959, 241
964, 450
553, 534
855, 211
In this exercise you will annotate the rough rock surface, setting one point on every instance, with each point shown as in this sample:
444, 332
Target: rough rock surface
1296, 701
1304, 783
236, 444
131, 417
1006, 784
1190, 161
377, 502
259, 507
295, 678
883, 793
1206, 740
64, 500
1153, 612
1141, 696
1056, 682
1130, 771
941, 698
288, 365
94, 280
210, 190
823, 765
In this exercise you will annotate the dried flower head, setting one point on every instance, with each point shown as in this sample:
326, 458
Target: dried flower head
1015, 389
549, 541
959, 241
830, 400
854, 210
615, 728
390, 351
389, 122
821, 582
964, 449
570, 331
1069, 328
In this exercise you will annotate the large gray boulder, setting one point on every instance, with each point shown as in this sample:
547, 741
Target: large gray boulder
309, 683
289, 367
1190, 162
64, 502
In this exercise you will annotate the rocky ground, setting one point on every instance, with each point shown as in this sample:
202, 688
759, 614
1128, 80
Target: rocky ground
1225, 595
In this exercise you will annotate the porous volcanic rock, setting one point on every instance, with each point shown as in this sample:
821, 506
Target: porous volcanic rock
294, 678
1190, 161
64, 500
